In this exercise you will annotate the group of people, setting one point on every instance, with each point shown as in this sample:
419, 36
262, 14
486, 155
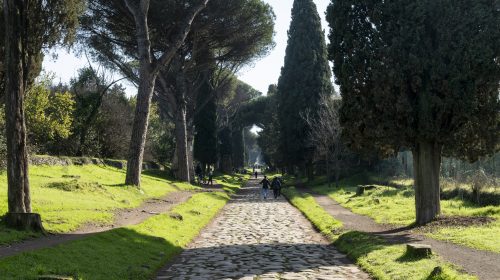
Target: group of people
275, 185
201, 176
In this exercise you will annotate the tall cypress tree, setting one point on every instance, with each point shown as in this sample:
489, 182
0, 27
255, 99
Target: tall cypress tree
205, 140
305, 77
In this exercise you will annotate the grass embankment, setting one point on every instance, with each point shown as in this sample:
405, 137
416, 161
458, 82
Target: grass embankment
380, 259
396, 206
231, 183
134, 252
70, 196
325, 223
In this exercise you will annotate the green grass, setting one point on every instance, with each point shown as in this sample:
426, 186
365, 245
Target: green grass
70, 196
385, 261
325, 223
373, 254
134, 252
231, 183
388, 205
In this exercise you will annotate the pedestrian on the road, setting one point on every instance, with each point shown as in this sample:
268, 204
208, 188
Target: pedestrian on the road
265, 186
199, 173
256, 173
210, 177
276, 186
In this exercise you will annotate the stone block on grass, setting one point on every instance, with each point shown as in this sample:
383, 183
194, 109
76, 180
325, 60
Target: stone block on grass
419, 250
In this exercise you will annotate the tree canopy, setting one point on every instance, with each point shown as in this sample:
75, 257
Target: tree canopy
413, 71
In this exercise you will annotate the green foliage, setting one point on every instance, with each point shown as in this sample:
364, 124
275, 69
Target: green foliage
161, 140
304, 78
205, 140
49, 115
417, 71
134, 252
269, 137
236, 32
238, 148
225, 142
48, 23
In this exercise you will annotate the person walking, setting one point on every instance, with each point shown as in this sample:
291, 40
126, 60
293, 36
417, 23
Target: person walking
210, 177
256, 173
265, 186
276, 186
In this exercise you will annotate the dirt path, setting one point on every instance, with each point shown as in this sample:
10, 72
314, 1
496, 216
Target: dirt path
484, 264
253, 238
123, 217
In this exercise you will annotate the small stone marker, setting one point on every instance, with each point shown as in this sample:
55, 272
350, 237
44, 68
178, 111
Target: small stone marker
54, 277
419, 250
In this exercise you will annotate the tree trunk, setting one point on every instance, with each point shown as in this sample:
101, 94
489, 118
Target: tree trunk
181, 144
147, 79
226, 165
426, 165
190, 139
328, 175
19, 200
309, 169
140, 126
337, 172
17, 155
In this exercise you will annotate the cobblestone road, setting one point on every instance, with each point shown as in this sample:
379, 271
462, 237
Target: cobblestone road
260, 239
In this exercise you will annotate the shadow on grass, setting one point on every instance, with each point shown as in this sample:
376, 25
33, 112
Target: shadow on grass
9, 235
117, 254
357, 244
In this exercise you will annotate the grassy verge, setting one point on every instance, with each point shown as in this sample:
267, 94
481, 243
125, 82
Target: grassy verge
325, 223
231, 183
70, 196
385, 261
374, 255
396, 206
134, 252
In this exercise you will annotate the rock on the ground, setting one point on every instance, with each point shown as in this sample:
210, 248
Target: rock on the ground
419, 250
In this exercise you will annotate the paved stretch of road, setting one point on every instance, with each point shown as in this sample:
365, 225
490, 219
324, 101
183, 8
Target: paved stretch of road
260, 239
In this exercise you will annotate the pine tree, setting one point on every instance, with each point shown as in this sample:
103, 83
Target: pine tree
305, 77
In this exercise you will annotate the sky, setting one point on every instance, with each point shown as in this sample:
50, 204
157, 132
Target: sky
260, 74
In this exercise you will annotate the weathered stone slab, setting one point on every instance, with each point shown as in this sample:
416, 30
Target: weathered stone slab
419, 250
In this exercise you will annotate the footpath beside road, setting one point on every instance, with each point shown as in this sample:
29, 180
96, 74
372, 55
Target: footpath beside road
260, 239
122, 218
484, 264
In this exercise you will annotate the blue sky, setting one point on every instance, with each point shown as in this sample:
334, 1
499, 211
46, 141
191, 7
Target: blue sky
260, 74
